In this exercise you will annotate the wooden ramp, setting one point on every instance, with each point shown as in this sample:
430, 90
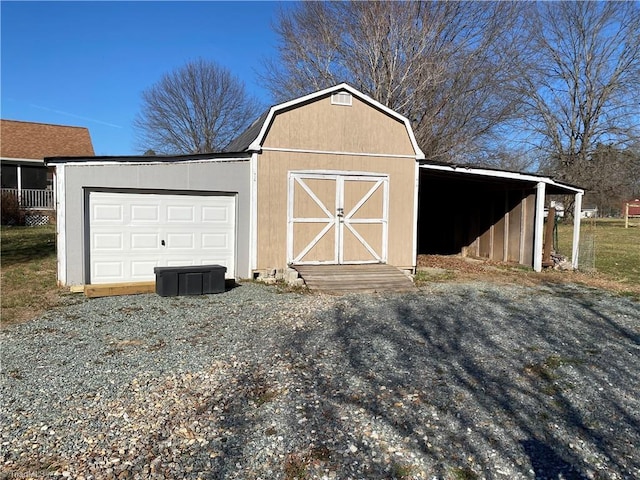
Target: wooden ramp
367, 278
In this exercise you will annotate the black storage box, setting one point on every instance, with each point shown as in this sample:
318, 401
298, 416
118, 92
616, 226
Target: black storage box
189, 280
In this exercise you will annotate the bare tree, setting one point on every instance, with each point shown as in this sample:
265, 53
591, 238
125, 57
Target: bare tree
610, 177
443, 65
581, 87
198, 108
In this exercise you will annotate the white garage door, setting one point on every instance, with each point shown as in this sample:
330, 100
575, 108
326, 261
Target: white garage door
131, 233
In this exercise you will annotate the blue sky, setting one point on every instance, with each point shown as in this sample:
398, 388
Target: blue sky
86, 63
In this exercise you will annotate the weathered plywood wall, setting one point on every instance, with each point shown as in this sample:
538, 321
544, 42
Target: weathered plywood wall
487, 218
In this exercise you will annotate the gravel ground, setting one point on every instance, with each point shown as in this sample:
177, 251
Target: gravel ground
457, 381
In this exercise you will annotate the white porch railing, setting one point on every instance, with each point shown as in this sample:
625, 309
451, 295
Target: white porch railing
33, 199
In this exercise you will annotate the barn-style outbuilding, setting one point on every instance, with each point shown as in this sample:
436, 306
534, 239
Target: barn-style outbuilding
329, 178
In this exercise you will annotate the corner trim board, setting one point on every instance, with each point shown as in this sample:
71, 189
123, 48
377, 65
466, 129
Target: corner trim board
253, 214
61, 239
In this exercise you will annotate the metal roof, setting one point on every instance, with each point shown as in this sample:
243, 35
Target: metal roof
500, 174
223, 156
242, 142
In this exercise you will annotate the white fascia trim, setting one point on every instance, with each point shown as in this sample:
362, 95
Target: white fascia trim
501, 174
332, 152
334, 173
416, 190
256, 145
166, 162
61, 239
253, 214
23, 160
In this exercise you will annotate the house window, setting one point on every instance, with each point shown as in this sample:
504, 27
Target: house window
341, 98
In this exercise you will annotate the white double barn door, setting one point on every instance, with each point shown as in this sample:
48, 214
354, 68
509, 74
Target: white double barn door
337, 218
131, 233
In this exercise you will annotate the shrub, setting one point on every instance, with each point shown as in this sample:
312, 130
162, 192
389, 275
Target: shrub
12, 214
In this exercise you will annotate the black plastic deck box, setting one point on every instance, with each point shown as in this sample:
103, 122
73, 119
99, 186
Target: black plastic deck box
189, 280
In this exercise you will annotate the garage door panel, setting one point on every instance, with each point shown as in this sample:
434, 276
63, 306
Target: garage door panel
108, 270
108, 241
127, 232
145, 213
108, 214
145, 241
178, 213
216, 241
140, 269
218, 214
180, 241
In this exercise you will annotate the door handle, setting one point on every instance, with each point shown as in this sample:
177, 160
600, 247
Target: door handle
340, 212
162, 243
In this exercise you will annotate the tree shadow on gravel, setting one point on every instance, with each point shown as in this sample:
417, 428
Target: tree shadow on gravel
546, 463
494, 382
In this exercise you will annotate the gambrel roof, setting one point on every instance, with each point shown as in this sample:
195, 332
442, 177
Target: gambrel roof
35, 141
252, 138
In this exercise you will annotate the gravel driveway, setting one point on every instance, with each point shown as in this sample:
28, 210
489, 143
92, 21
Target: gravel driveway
457, 381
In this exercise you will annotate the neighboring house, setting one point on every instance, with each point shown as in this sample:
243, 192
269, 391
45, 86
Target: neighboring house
23, 147
333, 177
631, 208
589, 212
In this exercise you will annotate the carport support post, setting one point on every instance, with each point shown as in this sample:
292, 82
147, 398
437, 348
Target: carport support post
577, 213
19, 177
538, 227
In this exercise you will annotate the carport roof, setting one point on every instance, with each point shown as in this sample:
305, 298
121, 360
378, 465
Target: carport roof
554, 187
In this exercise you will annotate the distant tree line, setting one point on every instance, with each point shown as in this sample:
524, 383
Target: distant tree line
551, 87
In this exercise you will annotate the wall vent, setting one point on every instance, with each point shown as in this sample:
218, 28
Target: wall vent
341, 98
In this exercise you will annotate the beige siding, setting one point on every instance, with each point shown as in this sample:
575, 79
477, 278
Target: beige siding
358, 128
273, 168
339, 133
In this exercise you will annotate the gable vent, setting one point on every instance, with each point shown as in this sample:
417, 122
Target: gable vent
341, 98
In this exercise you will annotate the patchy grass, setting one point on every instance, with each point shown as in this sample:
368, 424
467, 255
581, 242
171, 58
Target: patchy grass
428, 274
617, 262
617, 249
463, 473
295, 467
28, 272
547, 373
402, 471
28, 267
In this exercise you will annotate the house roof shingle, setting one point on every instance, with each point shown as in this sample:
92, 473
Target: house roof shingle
32, 140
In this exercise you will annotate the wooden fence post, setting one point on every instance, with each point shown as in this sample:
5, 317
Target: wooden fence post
626, 215
548, 238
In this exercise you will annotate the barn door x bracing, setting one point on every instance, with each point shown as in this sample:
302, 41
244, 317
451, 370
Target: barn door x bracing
337, 218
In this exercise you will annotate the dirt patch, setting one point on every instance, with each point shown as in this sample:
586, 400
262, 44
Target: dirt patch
457, 268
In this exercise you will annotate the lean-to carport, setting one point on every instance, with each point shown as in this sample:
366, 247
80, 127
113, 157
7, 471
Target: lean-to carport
494, 214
